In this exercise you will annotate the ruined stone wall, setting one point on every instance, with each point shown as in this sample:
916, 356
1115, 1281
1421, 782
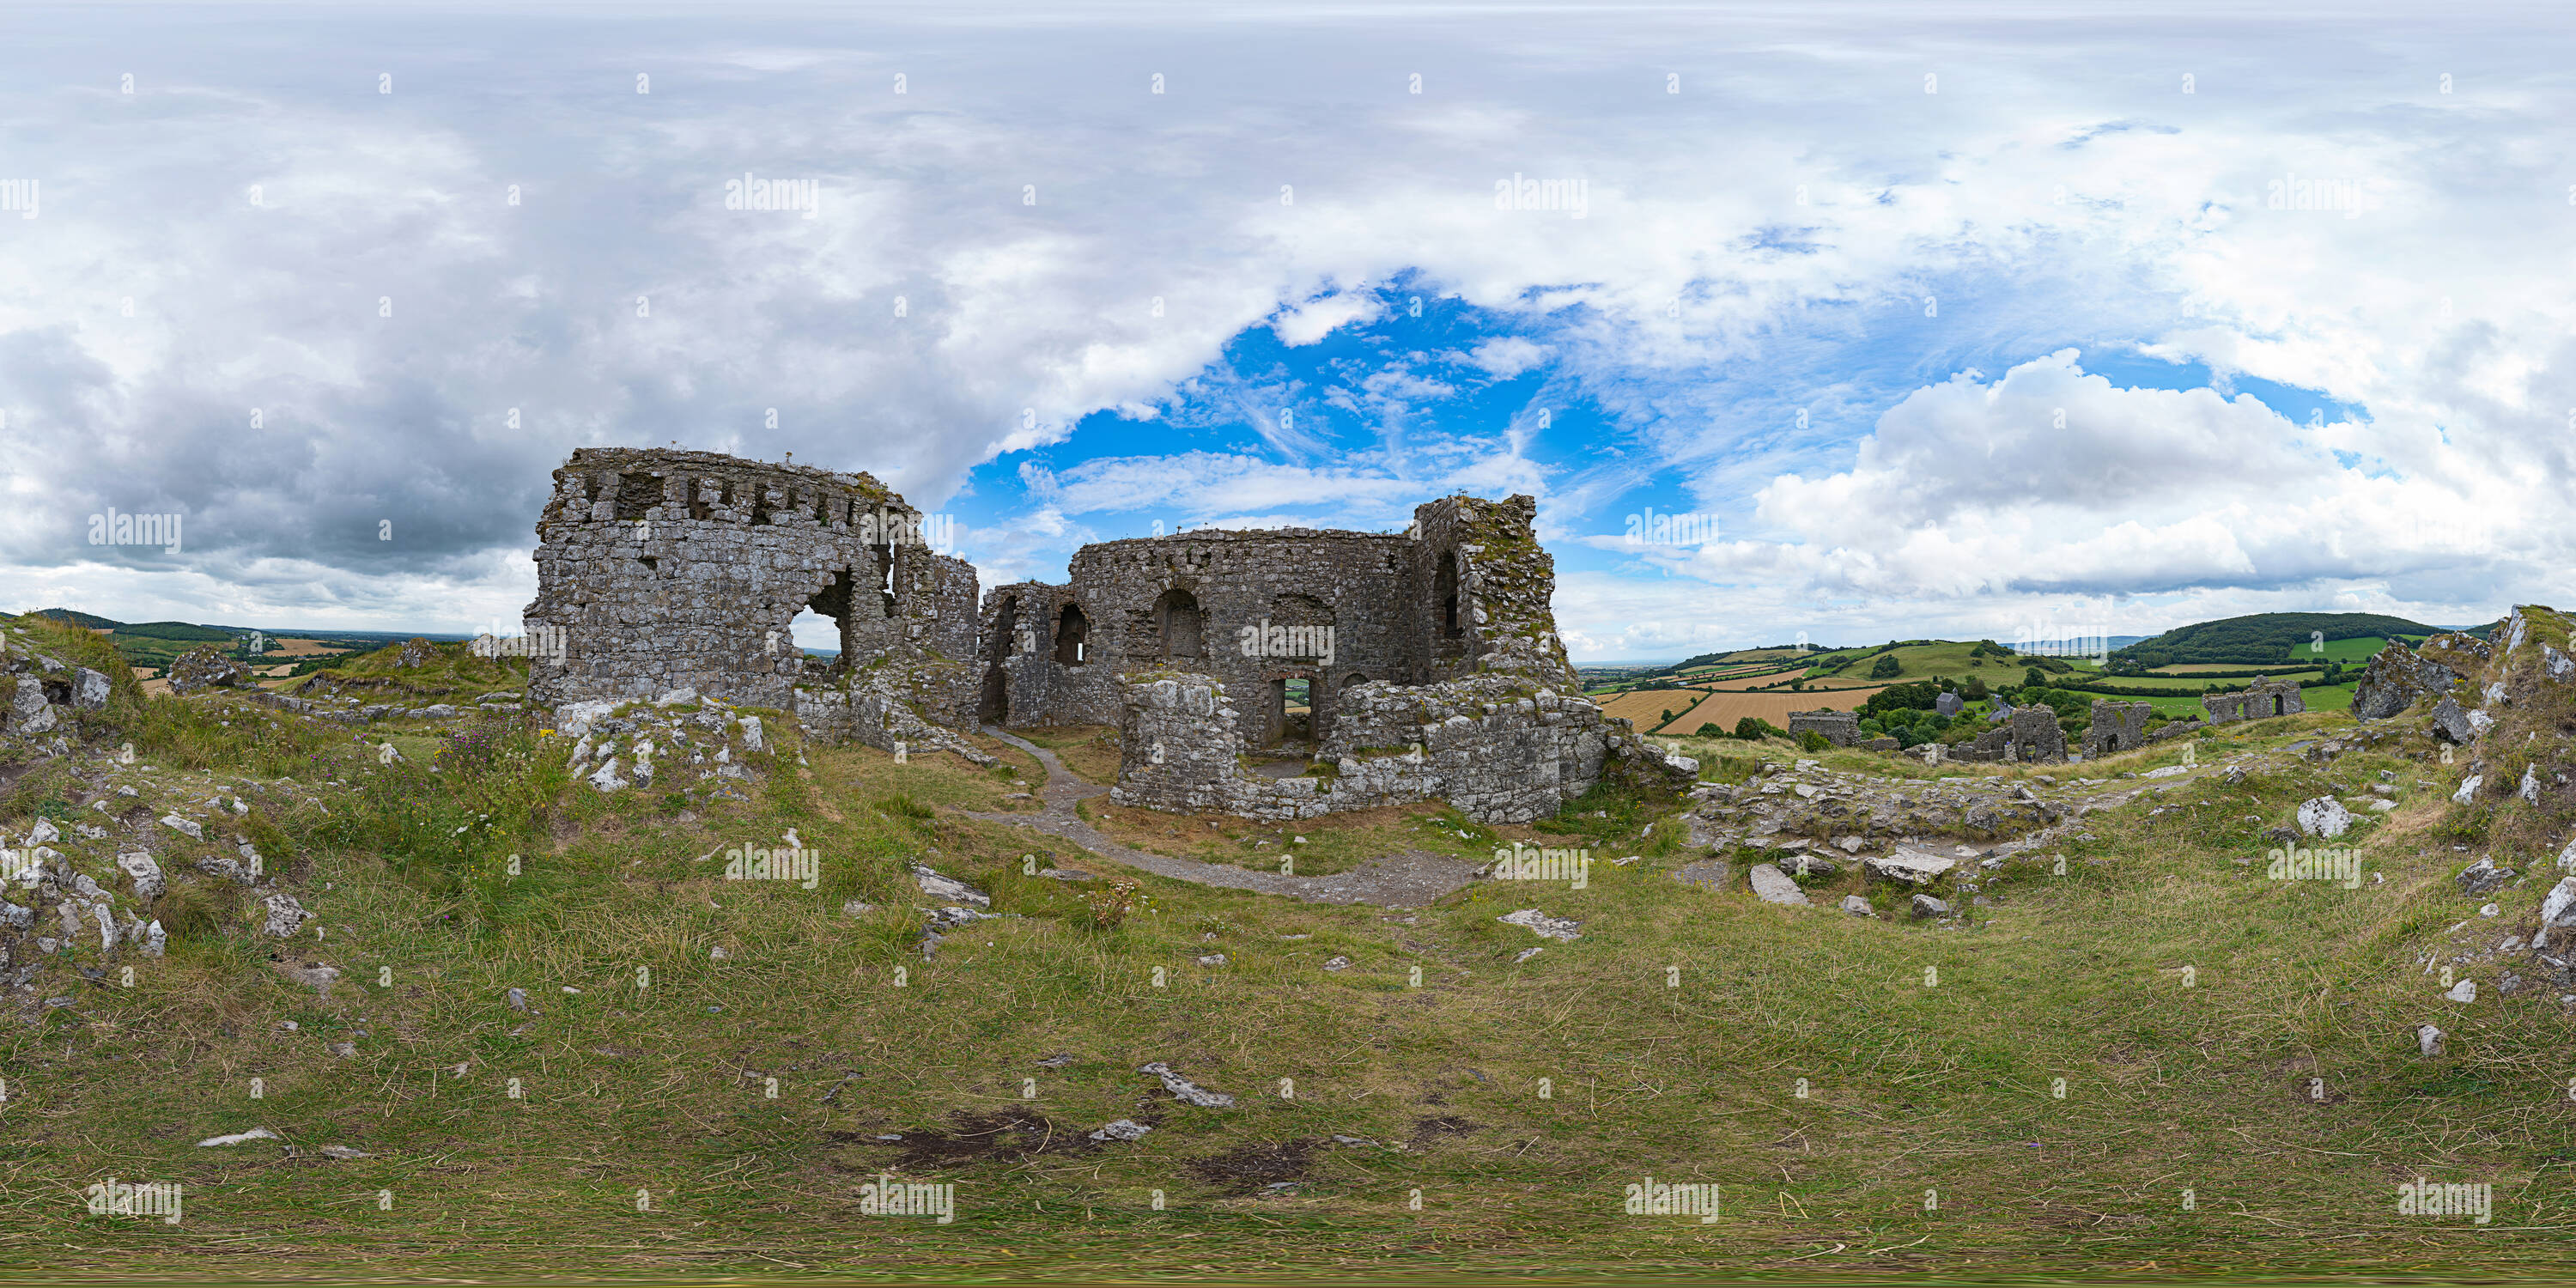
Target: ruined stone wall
1486, 555
2259, 701
1498, 753
2035, 737
1466, 590
1446, 679
669, 569
2117, 726
662, 570
1841, 728
1250, 608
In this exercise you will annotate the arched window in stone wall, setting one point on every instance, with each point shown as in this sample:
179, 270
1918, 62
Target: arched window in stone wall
1176, 620
1072, 636
1353, 680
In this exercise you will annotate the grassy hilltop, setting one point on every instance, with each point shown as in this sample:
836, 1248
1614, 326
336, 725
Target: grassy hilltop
701, 1073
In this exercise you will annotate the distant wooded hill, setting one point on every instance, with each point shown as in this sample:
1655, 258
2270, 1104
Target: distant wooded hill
2264, 638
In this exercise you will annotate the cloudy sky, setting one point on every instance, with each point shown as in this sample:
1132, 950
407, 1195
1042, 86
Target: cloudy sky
1926, 319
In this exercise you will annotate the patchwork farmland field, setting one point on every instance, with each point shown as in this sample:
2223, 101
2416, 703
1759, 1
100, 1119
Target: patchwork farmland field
1725, 709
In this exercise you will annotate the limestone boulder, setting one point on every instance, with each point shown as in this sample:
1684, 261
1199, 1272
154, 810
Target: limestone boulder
2483, 877
206, 667
1909, 866
1771, 885
2324, 817
2451, 722
28, 711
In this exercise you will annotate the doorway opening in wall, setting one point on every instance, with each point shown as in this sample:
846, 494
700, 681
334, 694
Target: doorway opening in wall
1072, 636
993, 704
1286, 740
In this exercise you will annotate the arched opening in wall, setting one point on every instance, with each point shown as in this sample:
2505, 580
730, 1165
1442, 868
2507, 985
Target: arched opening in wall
1072, 636
1444, 589
993, 704
1354, 678
1176, 620
1297, 710
816, 639
820, 633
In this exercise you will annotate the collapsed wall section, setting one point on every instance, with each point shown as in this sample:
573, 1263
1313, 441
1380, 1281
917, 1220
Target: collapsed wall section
1841, 728
1498, 753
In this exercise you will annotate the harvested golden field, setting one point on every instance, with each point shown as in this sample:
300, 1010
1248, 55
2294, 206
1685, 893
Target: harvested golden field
1725, 709
1647, 706
304, 648
1741, 683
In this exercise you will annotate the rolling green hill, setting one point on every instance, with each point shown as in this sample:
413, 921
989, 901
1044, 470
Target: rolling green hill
77, 618
2265, 638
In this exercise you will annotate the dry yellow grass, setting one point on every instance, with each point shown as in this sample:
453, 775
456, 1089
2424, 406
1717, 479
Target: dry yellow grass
304, 648
1646, 707
1724, 709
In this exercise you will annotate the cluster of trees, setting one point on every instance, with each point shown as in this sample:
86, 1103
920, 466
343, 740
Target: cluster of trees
1750, 729
1914, 726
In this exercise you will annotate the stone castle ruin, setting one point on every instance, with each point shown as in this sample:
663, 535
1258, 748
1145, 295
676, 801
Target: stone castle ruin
2260, 701
1841, 728
662, 571
2117, 726
2028, 735
1278, 674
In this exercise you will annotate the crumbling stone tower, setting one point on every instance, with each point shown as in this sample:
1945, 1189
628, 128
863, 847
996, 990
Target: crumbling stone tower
668, 570
2117, 726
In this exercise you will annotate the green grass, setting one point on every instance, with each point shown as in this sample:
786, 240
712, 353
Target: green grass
1909, 1086
2351, 650
2197, 684
1922, 661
